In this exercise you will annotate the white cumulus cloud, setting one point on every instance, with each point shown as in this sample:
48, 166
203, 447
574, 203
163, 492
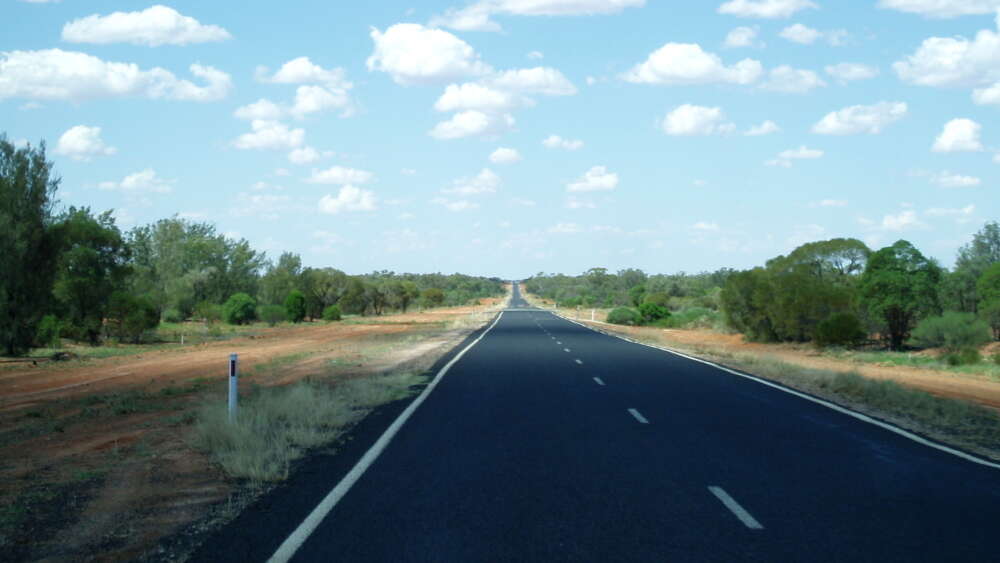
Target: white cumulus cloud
860, 119
471, 123
340, 175
349, 198
805, 35
596, 179
688, 64
765, 9
688, 119
474, 96
942, 8
478, 16
766, 128
785, 157
54, 74
849, 72
557, 142
904, 220
959, 135
270, 135
953, 61
154, 26
81, 143
413, 54
948, 179
504, 155
742, 36
788, 80
145, 181
301, 70
486, 182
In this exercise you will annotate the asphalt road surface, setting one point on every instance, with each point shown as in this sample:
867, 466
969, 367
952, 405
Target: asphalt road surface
548, 441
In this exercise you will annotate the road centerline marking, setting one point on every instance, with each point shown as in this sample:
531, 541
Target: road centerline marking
734, 507
579, 361
566, 350
599, 381
638, 416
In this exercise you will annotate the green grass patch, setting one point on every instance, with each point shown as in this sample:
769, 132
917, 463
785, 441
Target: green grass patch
985, 367
276, 426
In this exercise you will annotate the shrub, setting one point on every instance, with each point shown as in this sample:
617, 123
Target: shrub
624, 316
694, 317
48, 332
965, 357
331, 313
658, 298
839, 329
272, 314
952, 331
652, 312
208, 312
432, 297
295, 306
172, 316
996, 358
130, 316
239, 309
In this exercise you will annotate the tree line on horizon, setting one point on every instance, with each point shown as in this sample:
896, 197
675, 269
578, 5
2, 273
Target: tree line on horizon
834, 292
73, 273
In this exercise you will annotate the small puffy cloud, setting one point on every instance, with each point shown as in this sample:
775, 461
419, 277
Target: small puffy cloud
54, 74
596, 179
146, 181
536, 55
340, 175
474, 96
302, 70
742, 36
959, 135
313, 99
413, 54
486, 182
477, 17
270, 135
802, 34
849, 72
689, 119
349, 198
942, 8
860, 119
307, 155
154, 26
904, 220
788, 80
537, 80
953, 61
987, 96
785, 157
504, 155
557, 142
471, 123
765, 9
263, 109
766, 128
81, 143
687, 64
705, 226
948, 179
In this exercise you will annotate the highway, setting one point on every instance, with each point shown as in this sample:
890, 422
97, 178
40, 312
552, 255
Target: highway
548, 441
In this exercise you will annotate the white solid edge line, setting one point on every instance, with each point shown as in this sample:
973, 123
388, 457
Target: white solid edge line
734, 507
828, 404
638, 416
294, 541
599, 380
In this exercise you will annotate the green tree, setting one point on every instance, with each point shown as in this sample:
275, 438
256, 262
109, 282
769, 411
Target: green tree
93, 264
840, 329
130, 316
323, 287
988, 288
272, 314
745, 302
432, 297
28, 252
281, 278
899, 287
974, 258
239, 309
331, 313
651, 312
295, 306
636, 294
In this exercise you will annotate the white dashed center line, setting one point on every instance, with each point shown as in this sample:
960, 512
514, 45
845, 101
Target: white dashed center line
599, 380
565, 349
559, 343
579, 361
734, 507
638, 416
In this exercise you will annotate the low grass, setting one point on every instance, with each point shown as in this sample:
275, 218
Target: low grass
986, 367
275, 426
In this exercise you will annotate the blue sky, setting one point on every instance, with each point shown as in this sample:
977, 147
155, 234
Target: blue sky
669, 136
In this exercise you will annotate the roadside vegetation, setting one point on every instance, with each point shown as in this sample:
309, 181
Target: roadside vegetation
72, 276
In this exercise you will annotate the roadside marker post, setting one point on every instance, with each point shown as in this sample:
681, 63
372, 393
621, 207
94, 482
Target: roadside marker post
234, 379
592, 314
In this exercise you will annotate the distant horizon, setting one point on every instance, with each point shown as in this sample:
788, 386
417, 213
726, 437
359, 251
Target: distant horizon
551, 135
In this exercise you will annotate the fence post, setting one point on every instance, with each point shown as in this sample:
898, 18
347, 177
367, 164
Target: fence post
234, 379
